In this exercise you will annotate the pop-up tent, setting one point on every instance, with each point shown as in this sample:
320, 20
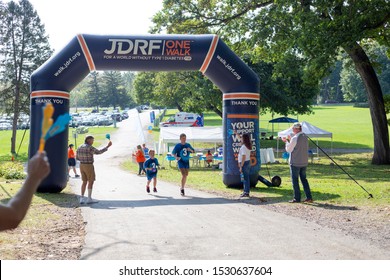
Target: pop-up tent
281, 120
206, 134
310, 130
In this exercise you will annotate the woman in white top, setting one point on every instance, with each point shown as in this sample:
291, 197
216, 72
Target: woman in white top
244, 165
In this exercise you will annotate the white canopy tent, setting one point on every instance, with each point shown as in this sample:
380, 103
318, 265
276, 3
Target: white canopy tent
310, 130
205, 134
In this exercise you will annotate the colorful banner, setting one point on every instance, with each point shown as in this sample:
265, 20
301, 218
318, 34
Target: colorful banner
241, 115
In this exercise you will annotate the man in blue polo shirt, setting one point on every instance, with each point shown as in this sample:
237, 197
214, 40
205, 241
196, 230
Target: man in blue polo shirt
182, 152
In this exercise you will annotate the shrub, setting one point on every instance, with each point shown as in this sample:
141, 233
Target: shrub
361, 105
12, 170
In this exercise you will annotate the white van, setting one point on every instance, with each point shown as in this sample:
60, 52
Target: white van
183, 119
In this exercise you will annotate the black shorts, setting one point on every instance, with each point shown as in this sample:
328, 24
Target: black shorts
71, 162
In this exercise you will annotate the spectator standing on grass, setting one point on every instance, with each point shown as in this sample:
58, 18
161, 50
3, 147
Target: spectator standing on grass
244, 163
72, 161
181, 152
298, 146
150, 166
85, 155
145, 149
15, 210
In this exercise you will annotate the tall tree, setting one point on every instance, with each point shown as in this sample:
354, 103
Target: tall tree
128, 78
95, 96
351, 84
144, 88
188, 91
24, 47
330, 88
315, 30
114, 89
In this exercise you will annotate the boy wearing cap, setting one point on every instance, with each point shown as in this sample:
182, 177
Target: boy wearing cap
298, 147
85, 155
72, 161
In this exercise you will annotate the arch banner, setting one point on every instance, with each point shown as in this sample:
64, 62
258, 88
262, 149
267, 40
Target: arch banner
55, 79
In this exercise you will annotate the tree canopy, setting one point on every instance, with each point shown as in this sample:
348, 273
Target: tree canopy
313, 31
24, 47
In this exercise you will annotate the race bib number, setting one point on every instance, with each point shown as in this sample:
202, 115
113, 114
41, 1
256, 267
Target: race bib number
185, 155
153, 166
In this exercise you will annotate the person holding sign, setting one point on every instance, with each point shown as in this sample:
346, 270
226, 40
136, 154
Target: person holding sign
182, 152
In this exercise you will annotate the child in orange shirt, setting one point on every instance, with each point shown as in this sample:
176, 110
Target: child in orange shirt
72, 161
140, 159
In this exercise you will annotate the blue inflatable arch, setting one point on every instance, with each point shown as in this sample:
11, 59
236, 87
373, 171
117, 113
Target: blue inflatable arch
56, 78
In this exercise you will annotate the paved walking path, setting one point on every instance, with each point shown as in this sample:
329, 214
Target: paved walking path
130, 224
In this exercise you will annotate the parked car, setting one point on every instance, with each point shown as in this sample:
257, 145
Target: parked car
5, 126
125, 115
24, 125
331, 102
116, 116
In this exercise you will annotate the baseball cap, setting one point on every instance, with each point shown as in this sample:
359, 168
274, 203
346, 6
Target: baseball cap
297, 125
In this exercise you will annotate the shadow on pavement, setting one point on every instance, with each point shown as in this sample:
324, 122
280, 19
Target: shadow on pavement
160, 201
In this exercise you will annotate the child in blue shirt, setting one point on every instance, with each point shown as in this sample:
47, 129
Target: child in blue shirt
182, 152
150, 166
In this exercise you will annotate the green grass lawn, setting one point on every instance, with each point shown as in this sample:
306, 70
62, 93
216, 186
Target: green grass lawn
329, 184
351, 127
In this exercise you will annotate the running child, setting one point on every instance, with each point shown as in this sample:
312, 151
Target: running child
150, 166
182, 152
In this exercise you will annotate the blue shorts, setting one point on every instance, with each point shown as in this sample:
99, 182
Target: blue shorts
151, 175
71, 162
183, 164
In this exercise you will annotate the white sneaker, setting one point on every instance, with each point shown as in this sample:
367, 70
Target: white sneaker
91, 200
82, 199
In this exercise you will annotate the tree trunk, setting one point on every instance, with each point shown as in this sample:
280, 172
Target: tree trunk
375, 101
15, 119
